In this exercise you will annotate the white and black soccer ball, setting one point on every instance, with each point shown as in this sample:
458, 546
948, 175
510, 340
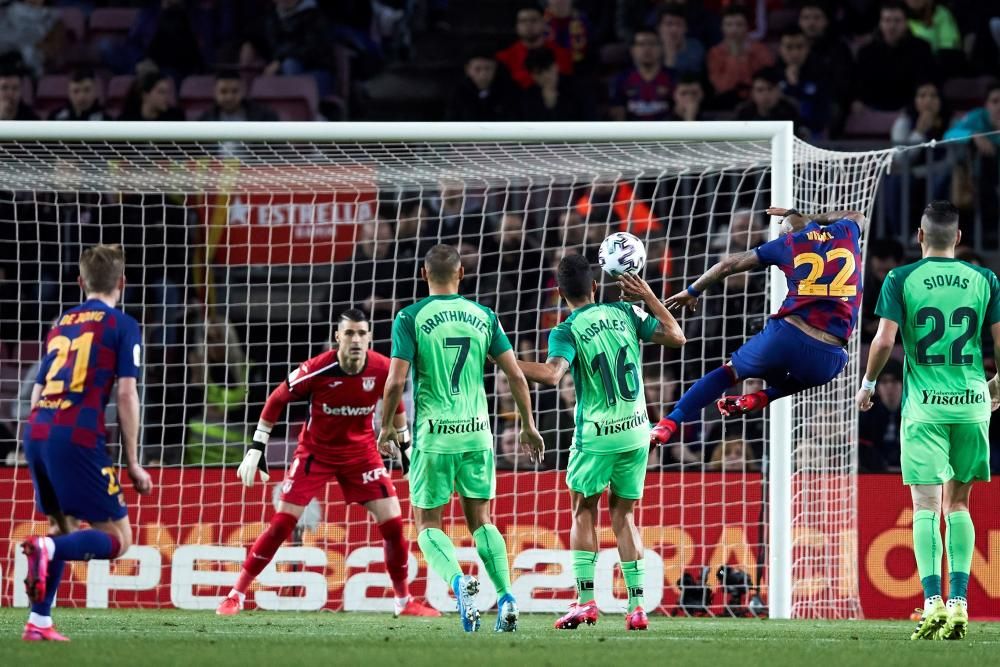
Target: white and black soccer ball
622, 253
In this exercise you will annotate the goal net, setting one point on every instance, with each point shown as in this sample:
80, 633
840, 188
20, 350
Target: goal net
244, 243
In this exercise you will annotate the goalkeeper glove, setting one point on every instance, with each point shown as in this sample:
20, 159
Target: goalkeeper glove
404, 451
254, 460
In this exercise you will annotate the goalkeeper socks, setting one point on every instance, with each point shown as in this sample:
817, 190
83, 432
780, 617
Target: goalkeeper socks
493, 552
439, 553
397, 554
927, 548
634, 572
584, 563
960, 535
84, 545
263, 550
52, 581
701, 393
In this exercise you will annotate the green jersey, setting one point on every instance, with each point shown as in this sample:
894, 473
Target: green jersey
601, 343
446, 339
941, 306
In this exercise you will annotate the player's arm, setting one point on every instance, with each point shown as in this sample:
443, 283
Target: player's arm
36, 393
254, 460
128, 421
994, 383
388, 435
878, 356
549, 373
668, 332
796, 221
531, 440
721, 270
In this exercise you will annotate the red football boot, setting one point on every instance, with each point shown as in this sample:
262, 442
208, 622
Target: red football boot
730, 406
33, 633
416, 607
663, 431
230, 606
636, 620
577, 615
38, 568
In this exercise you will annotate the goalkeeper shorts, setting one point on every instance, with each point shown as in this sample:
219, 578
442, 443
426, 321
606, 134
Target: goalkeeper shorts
589, 474
937, 453
435, 476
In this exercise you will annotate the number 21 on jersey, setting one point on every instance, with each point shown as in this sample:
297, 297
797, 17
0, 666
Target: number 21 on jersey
63, 346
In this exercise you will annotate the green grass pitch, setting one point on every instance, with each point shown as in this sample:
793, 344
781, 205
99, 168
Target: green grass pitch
186, 639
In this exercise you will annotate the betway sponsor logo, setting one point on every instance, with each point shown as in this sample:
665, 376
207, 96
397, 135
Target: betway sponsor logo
443, 427
348, 410
618, 425
967, 397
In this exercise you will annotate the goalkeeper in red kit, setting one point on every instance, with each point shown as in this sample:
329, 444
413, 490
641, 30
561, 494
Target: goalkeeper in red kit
337, 442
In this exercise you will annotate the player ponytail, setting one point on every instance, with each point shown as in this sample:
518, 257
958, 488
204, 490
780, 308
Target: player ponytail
101, 267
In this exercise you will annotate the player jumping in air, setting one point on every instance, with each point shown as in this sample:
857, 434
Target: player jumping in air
940, 306
599, 345
803, 344
64, 439
337, 442
445, 340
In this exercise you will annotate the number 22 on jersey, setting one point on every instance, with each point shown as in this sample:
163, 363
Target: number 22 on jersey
817, 267
63, 346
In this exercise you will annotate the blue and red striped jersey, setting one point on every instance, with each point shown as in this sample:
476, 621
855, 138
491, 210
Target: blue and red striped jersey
86, 349
642, 99
823, 266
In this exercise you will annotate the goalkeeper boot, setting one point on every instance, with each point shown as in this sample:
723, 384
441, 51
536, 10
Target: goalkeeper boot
465, 588
663, 431
636, 620
38, 568
415, 607
933, 619
230, 606
507, 614
577, 615
957, 624
33, 633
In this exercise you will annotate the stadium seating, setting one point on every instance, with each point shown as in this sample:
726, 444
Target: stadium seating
293, 98
111, 23
118, 89
865, 123
966, 93
197, 95
74, 22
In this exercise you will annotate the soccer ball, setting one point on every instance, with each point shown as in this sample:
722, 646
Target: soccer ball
621, 253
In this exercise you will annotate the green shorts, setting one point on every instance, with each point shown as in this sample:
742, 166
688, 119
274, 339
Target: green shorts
625, 472
937, 453
434, 477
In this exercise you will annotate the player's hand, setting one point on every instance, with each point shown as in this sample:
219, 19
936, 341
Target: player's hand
388, 441
994, 386
141, 480
635, 288
778, 211
253, 462
682, 300
864, 400
532, 444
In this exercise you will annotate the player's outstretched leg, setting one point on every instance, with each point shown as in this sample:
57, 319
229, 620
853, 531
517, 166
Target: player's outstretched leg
702, 393
781, 384
260, 554
493, 552
42, 582
440, 555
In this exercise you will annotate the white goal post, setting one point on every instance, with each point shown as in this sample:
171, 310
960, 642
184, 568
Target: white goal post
810, 490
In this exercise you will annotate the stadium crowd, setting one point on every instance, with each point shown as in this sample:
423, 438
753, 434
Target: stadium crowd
849, 74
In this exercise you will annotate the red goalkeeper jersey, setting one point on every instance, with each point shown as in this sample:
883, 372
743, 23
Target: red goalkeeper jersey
340, 429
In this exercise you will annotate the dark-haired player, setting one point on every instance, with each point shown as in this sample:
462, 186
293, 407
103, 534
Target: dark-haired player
599, 344
343, 386
64, 440
803, 344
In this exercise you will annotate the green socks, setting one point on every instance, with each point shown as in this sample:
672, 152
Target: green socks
493, 552
634, 572
927, 548
440, 554
584, 563
960, 536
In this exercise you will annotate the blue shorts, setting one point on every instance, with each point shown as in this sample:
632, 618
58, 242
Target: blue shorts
782, 350
75, 481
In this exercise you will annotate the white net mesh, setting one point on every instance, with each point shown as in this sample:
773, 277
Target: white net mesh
242, 254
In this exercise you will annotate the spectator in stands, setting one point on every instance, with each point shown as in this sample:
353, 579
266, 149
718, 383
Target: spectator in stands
481, 96
231, 103
688, 97
553, 97
81, 91
369, 279
933, 22
732, 63
682, 55
878, 429
531, 35
985, 119
570, 28
925, 118
296, 40
731, 455
511, 268
702, 23
767, 103
11, 105
829, 55
32, 32
893, 63
803, 84
151, 98
643, 91
166, 36
883, 256
615, 205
